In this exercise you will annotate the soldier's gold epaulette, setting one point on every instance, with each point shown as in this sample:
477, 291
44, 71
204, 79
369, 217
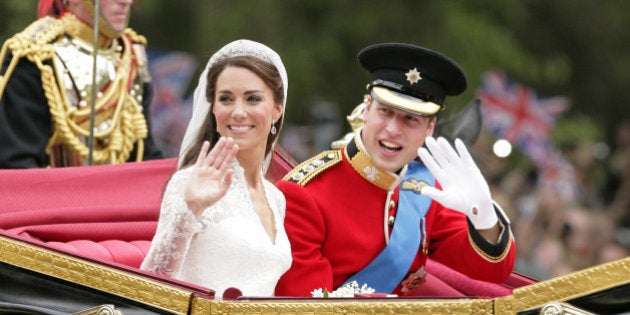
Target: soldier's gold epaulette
307, 170
34, 42
135, 37
43, 29
33, 38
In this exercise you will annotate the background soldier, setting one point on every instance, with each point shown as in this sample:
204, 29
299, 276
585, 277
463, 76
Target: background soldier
46, 82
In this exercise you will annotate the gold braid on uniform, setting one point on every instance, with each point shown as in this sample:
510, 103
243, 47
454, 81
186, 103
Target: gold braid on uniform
30, 43
128, 122
309, 169
135, 37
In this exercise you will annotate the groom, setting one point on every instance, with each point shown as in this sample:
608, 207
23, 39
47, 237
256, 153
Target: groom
372, 212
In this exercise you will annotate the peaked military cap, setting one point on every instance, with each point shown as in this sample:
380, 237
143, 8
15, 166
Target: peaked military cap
411, 78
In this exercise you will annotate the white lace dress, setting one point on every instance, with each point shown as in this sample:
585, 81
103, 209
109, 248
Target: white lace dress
227, 247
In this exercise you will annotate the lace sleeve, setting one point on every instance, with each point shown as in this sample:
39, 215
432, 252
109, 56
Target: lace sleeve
176, 227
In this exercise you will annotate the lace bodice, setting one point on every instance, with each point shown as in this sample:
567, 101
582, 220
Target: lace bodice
227, 247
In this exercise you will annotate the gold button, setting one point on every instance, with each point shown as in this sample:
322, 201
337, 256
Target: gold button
392, 204
390, 220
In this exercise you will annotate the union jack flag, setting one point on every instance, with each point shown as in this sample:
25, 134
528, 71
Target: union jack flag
516, 113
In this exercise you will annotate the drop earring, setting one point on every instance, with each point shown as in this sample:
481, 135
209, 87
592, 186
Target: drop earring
273, 128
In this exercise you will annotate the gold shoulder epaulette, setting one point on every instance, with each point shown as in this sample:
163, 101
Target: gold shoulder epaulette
34, 42
135, 37
307, 170
41, 32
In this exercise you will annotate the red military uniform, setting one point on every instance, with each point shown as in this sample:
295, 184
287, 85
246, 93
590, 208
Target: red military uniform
336, 218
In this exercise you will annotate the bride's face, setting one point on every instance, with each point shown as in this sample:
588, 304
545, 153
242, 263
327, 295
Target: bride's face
244, 108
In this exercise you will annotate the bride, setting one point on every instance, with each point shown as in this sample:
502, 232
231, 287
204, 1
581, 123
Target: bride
221, 221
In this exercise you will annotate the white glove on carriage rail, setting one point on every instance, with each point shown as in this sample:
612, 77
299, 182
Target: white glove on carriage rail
463, 186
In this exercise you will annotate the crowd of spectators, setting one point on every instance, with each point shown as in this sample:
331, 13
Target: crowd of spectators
558, 233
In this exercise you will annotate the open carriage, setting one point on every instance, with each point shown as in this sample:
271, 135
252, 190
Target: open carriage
72, 239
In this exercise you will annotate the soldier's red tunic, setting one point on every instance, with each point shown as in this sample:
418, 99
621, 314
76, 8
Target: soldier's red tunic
336, 220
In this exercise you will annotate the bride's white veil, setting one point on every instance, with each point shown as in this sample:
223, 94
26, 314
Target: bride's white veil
201, 106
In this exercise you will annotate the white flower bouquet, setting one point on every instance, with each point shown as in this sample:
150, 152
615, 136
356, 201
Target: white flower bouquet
347, 290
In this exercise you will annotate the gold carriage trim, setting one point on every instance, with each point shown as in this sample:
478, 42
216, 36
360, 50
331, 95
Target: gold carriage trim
343, 306
181, 301
558, 308
100, 277
309, 169
574, 285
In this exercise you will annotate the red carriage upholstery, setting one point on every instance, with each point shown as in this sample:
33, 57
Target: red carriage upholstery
109, 214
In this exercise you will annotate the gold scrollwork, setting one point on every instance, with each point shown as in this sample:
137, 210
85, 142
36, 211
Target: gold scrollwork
106, 309
559, 308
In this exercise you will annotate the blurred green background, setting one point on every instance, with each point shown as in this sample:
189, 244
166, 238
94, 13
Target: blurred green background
580, 49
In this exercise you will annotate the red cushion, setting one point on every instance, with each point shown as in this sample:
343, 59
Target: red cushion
106, 213
462, 283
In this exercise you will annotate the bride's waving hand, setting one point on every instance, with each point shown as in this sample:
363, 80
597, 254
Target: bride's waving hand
211, 175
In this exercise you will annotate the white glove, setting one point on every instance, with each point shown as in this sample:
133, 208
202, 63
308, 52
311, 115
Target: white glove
463, 187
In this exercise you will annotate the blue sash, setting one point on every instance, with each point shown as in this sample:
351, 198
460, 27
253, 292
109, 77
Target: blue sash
389, 268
